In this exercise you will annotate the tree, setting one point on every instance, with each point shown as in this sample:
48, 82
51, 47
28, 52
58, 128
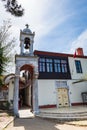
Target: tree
13, 7
6, 45
1, 64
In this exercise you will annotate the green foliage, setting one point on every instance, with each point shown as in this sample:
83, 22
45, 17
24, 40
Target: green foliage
3, 60
14, 8
7, 105
6, 46
1, 82
4, 105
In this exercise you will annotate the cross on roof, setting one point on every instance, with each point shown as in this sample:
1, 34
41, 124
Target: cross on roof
27, 25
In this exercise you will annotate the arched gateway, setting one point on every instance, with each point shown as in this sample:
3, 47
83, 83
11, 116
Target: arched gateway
26, 68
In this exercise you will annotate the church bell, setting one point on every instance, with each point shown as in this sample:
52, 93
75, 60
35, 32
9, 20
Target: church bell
27, 43
26, 46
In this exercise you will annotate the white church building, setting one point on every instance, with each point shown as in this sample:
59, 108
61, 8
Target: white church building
47, 79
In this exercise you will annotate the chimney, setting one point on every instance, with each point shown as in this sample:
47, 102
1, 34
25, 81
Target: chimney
79, 51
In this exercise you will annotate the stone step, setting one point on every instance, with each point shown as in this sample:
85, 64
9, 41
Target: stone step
64, 116
26, 113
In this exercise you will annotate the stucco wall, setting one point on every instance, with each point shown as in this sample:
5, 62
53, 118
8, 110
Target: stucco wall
11, 89
75, 91
46, 92
74, 74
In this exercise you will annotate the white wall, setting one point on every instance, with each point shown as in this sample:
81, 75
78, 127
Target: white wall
75, 91
11, 89
72, 66
28, 96
46, 92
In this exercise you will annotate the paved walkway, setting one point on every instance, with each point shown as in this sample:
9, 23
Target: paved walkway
41, 124
5, 119
34, 123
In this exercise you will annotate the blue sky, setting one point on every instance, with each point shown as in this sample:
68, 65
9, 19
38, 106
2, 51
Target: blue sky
59, 25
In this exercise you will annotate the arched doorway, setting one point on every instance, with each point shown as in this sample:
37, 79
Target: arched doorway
25, 86
27, 64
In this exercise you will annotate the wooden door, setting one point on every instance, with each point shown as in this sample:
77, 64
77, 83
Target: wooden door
63, 99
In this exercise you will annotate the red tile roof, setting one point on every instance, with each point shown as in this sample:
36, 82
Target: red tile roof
36, 52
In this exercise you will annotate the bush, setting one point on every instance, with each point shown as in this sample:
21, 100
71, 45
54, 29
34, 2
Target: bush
4, 105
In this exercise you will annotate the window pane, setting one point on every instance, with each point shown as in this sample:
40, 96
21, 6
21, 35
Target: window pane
57, 68
63, 61
42, 59
42, 67
49, 65
48, 60
42, 64
57, 65
78, 66
57, 61
64, 66
51, 68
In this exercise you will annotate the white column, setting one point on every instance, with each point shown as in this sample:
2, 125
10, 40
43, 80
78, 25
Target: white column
16, 92
22, 47
35, 96
31, 48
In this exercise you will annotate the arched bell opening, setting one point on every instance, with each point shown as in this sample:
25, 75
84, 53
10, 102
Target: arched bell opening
27, 43
25, 86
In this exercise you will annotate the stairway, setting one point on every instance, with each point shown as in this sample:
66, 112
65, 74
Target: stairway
64, 116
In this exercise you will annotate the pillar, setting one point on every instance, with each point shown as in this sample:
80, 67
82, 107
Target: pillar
35, 95
16, 92
22, 47
31, 48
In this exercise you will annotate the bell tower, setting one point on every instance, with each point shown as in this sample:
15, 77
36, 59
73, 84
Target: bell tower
26, 41
27, 63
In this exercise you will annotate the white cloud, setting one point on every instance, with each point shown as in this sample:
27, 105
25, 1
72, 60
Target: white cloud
81, 41
42, 16
39, 11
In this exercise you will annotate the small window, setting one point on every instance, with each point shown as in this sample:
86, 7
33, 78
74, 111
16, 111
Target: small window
78, 66
64, 66
57, 65
42, 65
49, 65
